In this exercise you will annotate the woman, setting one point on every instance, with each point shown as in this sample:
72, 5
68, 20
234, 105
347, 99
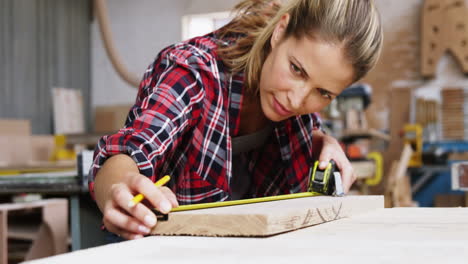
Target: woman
230, 115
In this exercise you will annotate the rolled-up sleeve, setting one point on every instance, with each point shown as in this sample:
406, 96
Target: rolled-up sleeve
167, 105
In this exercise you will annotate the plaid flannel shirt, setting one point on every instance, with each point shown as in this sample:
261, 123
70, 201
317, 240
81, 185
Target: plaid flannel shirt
186, 111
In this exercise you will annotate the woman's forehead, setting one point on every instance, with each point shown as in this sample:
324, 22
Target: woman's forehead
321, 59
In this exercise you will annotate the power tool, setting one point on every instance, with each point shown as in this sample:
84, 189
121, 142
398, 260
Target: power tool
327, 181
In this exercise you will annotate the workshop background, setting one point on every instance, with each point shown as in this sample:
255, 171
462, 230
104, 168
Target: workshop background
404, 126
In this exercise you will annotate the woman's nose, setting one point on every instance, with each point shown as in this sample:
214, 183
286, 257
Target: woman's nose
297, 95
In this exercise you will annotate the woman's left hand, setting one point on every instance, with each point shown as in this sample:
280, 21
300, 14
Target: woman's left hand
331, 150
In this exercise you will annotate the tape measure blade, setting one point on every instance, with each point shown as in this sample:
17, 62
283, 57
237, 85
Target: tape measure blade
338, 184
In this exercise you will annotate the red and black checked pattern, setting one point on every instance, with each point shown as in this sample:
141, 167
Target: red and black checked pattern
186, 111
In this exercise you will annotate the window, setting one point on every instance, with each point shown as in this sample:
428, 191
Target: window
201, 24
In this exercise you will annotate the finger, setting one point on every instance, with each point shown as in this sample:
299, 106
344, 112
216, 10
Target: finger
121, 196
121, 233
170, 196
125, 222
324, 159
323, 164
347, 177
152, 193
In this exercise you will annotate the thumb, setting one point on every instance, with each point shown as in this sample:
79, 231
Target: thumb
323, 161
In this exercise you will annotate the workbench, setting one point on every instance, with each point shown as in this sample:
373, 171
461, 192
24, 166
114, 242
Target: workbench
57, 182
396, 235
85, 218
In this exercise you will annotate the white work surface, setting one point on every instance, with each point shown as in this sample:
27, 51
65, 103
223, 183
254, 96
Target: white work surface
397, 235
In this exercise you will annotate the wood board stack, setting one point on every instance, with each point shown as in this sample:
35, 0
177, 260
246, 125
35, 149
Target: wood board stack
453, 113
23, 152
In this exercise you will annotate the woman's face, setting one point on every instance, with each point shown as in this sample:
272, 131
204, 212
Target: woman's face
301, 76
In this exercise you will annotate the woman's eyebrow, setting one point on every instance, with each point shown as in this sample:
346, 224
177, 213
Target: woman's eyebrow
307, 75
300, 66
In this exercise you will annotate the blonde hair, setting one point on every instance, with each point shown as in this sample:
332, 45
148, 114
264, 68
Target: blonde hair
354, 23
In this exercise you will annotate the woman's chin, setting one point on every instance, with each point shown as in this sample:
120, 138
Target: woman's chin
272, 116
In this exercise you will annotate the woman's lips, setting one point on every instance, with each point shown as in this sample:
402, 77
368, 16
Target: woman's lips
280, 109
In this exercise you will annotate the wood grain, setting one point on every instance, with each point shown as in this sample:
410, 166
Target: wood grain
265, 219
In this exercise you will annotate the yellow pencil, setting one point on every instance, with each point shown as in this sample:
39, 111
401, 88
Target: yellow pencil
139, 197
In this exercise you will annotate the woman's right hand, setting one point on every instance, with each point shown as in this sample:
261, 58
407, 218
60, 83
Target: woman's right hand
113, 195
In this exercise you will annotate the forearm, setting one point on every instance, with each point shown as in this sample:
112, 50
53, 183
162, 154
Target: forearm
116, 169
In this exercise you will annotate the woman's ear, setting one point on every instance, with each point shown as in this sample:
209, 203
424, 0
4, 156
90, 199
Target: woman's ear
280, 29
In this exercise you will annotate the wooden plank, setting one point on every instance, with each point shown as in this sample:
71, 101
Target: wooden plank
456, 36
364, 169
42, 147
68, 111
31, 205
15, 127
432, 36
399, 116
403, 163
39, 166
25, 150
23, 232
449, 200
265, 219
396, 235
458, 156
397, 191
110, 119
3, 237
15, 150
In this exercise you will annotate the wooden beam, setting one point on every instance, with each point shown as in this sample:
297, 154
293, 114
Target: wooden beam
432, 36
398, 190
265, 219
364, 169
403, 163
399, 116
3, 237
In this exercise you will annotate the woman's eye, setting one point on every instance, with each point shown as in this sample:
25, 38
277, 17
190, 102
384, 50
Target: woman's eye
295, 69
325, 94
